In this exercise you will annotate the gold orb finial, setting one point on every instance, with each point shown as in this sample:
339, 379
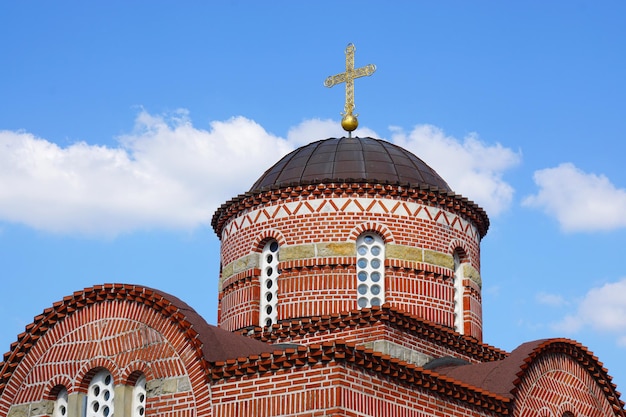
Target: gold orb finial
349, 123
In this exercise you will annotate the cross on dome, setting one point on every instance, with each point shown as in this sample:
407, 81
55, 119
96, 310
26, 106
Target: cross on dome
349, 121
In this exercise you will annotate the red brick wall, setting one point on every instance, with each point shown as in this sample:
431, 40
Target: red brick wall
473, 310
319, 286
555, 384
332, 390
379, 331
124, 337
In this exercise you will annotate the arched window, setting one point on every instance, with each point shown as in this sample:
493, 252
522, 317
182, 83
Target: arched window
60, 404
458, 293
100, 395
269, 283
370, 270
139, 397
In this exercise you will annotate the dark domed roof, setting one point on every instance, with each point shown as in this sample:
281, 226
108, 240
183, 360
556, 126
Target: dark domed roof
369, 159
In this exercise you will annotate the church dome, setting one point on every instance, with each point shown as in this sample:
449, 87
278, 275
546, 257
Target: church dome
369, 159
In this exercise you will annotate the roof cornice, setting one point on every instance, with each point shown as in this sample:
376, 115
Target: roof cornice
427, 330
385, 366
428, 195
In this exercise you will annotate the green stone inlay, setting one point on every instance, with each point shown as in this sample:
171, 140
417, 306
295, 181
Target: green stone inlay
162, 386
246, 262
19, 410
470, 272
330, 249
336, 249
42, 408
406, 253
227, 271
290, 253
439, 259
242, 264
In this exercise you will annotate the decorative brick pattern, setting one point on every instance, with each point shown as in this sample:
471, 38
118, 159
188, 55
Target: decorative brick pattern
424, 195
426, 230
121, 328
334, 372
561, 376
380, 323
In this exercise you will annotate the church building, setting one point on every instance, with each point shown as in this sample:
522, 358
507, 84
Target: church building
349, 286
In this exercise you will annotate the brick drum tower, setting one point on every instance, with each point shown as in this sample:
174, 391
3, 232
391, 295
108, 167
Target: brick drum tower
350, 223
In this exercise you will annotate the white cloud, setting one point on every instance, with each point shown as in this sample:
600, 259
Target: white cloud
602, 309
471, 167
552, 300
579, 201
167, 173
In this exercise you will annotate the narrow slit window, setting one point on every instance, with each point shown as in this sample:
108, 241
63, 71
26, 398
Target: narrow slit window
269, 283
458, 293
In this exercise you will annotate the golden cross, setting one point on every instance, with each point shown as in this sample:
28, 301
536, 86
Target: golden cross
349, 121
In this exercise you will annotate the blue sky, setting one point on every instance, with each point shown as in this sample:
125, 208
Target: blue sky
123, 126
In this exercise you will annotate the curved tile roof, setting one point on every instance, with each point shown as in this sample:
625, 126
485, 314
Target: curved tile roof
391, 316
490, 385
212, 344
344, 158
503, 377
367, 360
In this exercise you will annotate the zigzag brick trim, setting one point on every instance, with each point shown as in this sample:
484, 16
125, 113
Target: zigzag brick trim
426, 195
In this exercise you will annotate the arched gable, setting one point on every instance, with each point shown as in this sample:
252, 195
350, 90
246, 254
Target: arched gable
546, 375
565, 377
550, 374
125, 329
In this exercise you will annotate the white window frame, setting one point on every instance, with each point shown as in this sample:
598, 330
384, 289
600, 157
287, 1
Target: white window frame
60, 404
269, 284
458, 289
100, 395
139, 397
370, 270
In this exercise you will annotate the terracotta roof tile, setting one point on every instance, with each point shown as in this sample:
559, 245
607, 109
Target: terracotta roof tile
212, 343
503, 376
425, 329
